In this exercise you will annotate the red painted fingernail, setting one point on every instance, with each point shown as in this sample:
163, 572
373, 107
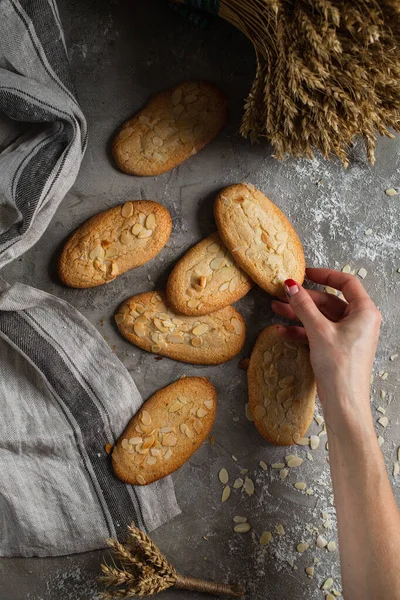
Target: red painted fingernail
291, 287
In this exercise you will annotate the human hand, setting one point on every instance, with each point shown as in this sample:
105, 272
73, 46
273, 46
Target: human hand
342, 336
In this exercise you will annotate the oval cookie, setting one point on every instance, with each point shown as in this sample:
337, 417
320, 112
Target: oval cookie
281, 387
173, 126
206, 279
163, 435
147, 321
114, 241
260, 237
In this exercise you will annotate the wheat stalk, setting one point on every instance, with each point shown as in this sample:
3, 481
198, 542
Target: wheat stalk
140, 569
327, 71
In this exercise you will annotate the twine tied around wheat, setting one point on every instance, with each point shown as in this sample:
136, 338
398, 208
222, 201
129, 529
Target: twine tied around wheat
327, 71
140, 569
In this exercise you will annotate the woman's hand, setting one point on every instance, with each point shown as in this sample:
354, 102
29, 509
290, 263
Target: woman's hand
342, 336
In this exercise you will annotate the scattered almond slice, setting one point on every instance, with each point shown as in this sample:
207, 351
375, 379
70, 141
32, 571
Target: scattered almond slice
265, 538
244, 471
280, 530
239, 519
384, 376
295, 461
327, 584
383, 394
310, 571
223, 476
305, 441
309, 491
302, 547
277, 465
238, 483
249, 416
396, 469
368, 232
283, 473
391, 192
314, 442
380, 440
330, 290
329, 597
225, 493
234, 458
346, 269
319, 419
336, 592
242, 528
263, 465
309, 456
384, 421
381, 409
331, 546
321, 542
300, 485
248, 486
362, 273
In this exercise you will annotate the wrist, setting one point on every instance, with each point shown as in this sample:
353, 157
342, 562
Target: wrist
346, 412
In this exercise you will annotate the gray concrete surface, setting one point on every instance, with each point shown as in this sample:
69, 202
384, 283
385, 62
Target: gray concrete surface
121, 53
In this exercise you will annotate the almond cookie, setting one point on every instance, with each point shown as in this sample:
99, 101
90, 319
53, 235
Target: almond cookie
281, 387
173, 126
259, 236
148, 322
206, 279
166, 431
114, 241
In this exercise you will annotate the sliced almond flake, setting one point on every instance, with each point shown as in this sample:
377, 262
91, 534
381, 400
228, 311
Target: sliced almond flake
384, 421
280, 530
346, 269
396, 469
309, 491
242, 528
249, 416
234, 458
381, 409
380, 440
238, 483
362, 273
336, 592
330, 290
283, 473
321, 542
244, 471
331, 546
223, 476
314, 442
391, 192
368, 232
225, 493
383, 394
309, 456
265, 538
384, 375
302, 547
310, 571
239, 519
277, 465
394, 356
319, 419
248, 486
329, 597
305, 441
208, 404
327, 584
295, 461
263, 465
300, 485
327, 524
327, 445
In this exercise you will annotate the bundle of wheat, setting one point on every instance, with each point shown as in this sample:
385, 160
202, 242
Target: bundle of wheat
327, 70
140, 569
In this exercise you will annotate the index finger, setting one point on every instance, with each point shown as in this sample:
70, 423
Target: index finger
349, 285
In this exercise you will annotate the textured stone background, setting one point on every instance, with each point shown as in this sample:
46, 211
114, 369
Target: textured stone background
121, 53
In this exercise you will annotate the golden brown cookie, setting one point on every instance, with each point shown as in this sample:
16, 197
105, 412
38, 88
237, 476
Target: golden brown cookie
281, 387
114, 241
173, 126
261, 239
148, 322
206, 279
163, 435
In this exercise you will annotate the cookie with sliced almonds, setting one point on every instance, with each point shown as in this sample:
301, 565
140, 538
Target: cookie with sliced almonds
281, 387
261, 239
206, 279
166, 431
114, 241
173, 126
148, 322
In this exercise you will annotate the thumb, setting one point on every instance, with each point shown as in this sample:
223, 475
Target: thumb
302, 305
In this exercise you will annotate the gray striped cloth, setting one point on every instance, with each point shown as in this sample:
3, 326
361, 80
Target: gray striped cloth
63, 393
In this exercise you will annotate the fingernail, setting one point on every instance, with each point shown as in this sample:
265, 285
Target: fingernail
291, 287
